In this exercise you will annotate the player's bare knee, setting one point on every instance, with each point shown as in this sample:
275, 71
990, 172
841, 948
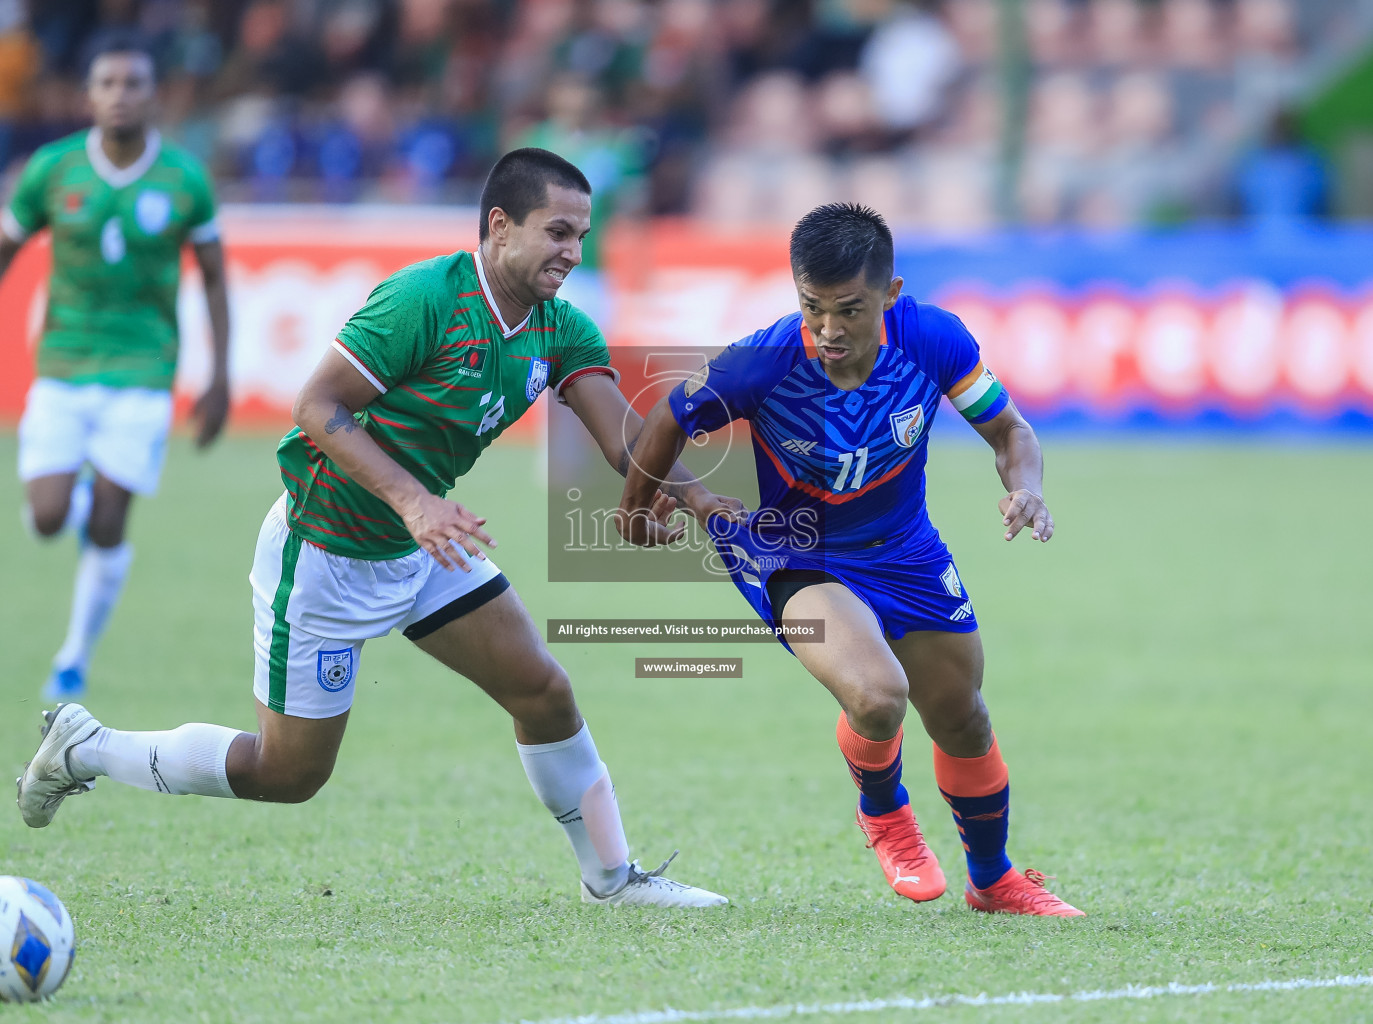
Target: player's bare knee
544, 702
304, 786
555, 696
48, 520
255, 774
878, 709
958, 725
295, 785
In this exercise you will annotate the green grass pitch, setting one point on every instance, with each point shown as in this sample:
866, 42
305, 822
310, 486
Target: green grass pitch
1180, 682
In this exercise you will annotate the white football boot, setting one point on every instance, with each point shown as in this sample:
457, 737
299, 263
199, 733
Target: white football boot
651, 889
47, 779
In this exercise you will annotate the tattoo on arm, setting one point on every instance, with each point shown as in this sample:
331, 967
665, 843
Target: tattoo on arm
341, 418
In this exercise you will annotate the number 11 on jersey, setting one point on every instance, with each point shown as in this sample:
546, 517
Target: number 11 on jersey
845, 464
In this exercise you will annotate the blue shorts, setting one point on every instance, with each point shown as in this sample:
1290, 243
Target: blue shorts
907, 591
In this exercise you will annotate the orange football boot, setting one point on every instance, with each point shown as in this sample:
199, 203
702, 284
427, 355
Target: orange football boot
1015, 893
910, 866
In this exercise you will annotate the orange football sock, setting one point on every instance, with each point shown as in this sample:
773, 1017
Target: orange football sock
875, 766
978, 791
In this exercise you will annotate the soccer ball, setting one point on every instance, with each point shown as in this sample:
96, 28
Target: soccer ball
37, 941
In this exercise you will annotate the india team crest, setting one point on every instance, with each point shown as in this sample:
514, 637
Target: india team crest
335, 669
153, 211
907, 425
949, 577
538, 378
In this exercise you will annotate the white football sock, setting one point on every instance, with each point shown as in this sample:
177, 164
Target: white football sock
188, 760
100, 576
572, 781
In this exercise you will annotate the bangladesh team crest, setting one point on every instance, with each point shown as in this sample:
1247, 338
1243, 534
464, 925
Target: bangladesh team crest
153, 211
907, 425
335, 669
538, 378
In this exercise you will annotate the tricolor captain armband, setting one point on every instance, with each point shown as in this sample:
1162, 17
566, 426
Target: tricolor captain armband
979, 396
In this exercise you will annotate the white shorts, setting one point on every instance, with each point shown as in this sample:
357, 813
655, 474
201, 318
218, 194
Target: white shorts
312, 610
122, 432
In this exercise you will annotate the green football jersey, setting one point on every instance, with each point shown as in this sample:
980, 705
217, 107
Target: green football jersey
117, 235
452, 377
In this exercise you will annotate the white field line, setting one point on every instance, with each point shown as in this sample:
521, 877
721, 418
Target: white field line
670, 1016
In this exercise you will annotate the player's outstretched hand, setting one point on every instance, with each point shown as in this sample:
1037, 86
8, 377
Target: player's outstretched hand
1025, 508
648, 528
210, 411
442, 527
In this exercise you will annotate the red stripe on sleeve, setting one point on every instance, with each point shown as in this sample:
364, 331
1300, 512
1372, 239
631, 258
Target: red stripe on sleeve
585, 371
340, 344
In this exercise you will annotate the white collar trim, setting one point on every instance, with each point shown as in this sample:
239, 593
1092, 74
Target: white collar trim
506, 332
119, 177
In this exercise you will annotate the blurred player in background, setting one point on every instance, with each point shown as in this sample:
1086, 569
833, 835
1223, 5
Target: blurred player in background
445, 355
839, 398
120, 204
578, 131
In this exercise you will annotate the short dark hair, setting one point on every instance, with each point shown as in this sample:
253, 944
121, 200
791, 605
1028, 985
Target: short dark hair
119, 40
519, 182
838, 241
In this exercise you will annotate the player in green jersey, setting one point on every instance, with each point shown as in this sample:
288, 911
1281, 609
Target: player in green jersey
443, 357
119, 204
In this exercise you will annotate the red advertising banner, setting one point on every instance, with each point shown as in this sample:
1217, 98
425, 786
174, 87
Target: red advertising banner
1242, 348
1245, 348
295, 275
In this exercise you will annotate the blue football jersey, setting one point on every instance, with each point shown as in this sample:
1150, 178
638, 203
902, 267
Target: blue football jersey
842, 469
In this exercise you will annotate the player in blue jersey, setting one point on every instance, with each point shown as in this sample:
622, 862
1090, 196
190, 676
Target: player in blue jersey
839, 398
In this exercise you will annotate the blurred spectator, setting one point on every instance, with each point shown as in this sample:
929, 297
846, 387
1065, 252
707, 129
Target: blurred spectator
739, 110
684, 82
1051, 26
577, 129
846, 117
974, 25
1282, 180
356, 36
192, 55
909, 62
60, 26
1189, 33
1118, 32
1267, 27
274, 55
605, 44
1064, 137
834, 36
20, 60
